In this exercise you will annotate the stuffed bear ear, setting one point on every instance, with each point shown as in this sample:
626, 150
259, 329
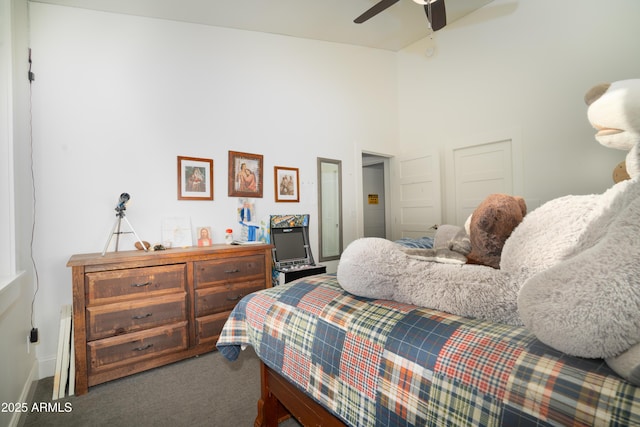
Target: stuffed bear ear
595, 93
522, 204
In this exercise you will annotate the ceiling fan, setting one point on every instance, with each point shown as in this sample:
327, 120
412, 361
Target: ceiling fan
434, 9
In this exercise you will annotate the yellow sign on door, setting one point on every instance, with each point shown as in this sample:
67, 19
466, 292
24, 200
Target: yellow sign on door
373, 199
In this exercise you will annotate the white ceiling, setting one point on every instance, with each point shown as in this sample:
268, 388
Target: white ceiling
330, 20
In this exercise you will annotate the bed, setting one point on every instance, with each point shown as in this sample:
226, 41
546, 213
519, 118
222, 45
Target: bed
330, 359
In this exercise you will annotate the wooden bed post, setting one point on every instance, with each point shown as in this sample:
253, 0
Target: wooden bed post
280, 400
268, 404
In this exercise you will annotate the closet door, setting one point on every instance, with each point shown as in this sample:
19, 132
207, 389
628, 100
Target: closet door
416, 199
474, 172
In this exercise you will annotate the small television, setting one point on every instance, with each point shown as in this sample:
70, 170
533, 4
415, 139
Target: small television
291, 247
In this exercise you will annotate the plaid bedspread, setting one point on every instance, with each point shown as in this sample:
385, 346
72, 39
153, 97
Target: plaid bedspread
381, 363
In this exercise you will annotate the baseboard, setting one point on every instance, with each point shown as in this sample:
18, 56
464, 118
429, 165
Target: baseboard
47, 367
27, 393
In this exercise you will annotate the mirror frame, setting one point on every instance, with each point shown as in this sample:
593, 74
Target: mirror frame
321, 226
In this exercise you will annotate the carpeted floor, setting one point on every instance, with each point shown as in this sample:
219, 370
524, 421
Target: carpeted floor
202, 391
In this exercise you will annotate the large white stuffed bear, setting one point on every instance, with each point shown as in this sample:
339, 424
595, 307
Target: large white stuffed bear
589, 305
570, 272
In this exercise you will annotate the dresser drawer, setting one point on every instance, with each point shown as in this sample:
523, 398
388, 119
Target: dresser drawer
225, 297
126, 349
119, 285
208, 328
215, 272
120, 318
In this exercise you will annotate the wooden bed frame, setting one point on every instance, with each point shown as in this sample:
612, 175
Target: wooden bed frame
280, 400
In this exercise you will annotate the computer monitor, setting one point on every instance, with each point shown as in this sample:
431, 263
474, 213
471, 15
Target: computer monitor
291, 247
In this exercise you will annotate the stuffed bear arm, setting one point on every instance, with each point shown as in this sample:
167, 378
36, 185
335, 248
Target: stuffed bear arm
589, 305
378, 268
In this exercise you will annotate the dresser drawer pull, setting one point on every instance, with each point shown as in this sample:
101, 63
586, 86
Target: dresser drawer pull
142, 316
146, 347
139, 285
234, 298
235, 270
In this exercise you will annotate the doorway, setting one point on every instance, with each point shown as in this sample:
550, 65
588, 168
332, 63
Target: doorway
375, 183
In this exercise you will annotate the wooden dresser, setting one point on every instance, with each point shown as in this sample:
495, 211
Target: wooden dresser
136, 310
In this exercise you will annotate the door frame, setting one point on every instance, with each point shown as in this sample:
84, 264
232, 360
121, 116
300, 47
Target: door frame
385, 159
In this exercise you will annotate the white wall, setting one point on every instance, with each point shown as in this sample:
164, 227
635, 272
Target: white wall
118, 98
17, 358
521, 68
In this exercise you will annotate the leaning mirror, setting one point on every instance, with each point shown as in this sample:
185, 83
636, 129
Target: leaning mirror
330, 208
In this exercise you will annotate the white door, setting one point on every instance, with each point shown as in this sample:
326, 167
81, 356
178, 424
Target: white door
478, 171
416, 199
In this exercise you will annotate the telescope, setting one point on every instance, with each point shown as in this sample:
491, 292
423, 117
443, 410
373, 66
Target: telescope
122, 202
115, 231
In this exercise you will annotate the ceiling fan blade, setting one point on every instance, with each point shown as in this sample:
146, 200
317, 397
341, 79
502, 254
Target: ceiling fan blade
375, 9
439, 18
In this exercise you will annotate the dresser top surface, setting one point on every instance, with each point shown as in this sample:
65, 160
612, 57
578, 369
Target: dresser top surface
177, 254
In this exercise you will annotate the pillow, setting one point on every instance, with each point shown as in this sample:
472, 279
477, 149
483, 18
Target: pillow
425, 242
450, 246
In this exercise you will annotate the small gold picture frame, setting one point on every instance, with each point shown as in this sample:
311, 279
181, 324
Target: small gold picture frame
287, 184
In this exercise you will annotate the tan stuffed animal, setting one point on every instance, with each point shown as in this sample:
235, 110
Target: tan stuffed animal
487, 229
491, 224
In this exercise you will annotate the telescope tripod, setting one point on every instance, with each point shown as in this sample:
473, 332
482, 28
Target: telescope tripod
115, 230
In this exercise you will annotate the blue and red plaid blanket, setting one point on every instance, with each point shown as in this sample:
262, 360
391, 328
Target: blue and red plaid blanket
382, 363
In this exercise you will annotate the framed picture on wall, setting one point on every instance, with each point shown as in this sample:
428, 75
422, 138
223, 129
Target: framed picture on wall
287, 184
195, 178
245, 174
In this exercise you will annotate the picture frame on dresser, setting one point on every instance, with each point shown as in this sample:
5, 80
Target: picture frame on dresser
176, 232
287, 184
245, 174
204, 236
195, 178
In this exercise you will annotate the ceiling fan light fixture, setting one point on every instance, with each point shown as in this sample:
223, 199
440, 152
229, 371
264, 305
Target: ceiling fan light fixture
424, 2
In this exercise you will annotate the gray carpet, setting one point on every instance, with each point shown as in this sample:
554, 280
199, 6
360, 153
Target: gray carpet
202, 391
